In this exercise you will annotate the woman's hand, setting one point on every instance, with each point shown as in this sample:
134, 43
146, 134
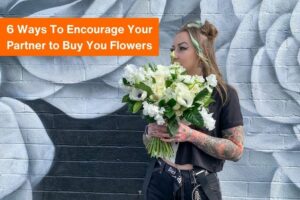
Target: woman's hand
159, 131
184, 133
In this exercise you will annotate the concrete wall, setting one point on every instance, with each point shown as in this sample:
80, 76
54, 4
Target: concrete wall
65, 135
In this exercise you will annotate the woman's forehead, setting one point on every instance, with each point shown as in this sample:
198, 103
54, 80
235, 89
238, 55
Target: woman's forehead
181, 38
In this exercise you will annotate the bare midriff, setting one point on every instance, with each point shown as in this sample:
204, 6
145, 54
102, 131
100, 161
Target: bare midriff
180, 167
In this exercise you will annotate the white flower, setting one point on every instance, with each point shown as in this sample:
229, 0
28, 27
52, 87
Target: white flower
158, 88
176, 68
199, 79
187, 79
163, 71
183, 95
137, 94
133, 74
209, 121
154, 111
124, 87
212, 80
159, 119
195, 89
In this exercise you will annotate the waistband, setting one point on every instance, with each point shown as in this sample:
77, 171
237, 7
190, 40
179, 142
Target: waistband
173, 170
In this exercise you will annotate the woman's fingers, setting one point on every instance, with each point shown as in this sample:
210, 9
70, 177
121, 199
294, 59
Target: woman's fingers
167, 140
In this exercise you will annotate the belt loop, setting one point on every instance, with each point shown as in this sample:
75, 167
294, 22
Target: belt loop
162, 165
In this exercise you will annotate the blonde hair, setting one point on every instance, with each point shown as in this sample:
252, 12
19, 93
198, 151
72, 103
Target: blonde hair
205, 35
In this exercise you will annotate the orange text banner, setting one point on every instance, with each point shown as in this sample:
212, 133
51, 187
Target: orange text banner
79, 37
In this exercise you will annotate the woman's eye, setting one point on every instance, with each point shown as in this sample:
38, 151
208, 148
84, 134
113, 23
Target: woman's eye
182, 48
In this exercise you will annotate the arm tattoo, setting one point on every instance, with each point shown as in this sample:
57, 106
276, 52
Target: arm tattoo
230, 147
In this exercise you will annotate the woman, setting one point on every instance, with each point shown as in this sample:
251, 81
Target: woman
199, 154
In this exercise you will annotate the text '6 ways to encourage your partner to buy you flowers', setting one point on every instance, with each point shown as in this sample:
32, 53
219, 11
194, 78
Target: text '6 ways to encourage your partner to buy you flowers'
79, 36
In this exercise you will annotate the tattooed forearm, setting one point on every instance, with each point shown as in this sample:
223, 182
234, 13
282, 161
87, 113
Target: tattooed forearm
230, 147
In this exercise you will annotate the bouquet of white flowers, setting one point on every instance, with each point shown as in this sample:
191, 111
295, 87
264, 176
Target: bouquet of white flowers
167, 95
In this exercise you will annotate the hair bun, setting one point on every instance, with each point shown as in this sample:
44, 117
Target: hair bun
209, 30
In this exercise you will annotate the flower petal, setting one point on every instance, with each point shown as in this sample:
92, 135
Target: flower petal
39, 146
6, 5
175, 7
296, 129
241, 55
286, 65
68, 69
295, 25
270, 10
242, 7
289, 162
157, 7
287, 190
276, 105
24, 192
276, 35
18, 83
13, 153
95, 99
225, 20
113, 77
28, 7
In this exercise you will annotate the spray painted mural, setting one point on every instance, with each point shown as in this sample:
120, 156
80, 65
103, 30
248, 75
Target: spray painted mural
47, 103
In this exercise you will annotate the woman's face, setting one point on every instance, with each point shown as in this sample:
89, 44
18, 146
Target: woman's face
185, 52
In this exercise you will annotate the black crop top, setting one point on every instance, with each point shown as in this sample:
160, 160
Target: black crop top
226, 117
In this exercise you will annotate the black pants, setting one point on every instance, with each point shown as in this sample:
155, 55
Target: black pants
164, 186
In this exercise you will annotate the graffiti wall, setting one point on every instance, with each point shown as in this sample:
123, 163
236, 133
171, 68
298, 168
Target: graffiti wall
66, 135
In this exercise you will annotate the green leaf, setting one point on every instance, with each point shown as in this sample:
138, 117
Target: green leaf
162, 103
150, 119
151, 66
125, 82
144, 87
172, 126
169, 113
193, 116
174, 76
125, 99
208, 102
153, 80
168, 83
136, 106
201, 95
171, 102
130, 106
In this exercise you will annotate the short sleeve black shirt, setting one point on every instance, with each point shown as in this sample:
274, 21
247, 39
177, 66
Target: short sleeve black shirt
227, 116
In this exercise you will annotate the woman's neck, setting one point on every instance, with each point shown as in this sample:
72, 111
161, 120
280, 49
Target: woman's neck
195, 71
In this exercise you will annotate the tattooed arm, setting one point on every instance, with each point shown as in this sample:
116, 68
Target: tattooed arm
230, 147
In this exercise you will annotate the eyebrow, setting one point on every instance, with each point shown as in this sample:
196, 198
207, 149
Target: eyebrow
180, 44
183, 43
